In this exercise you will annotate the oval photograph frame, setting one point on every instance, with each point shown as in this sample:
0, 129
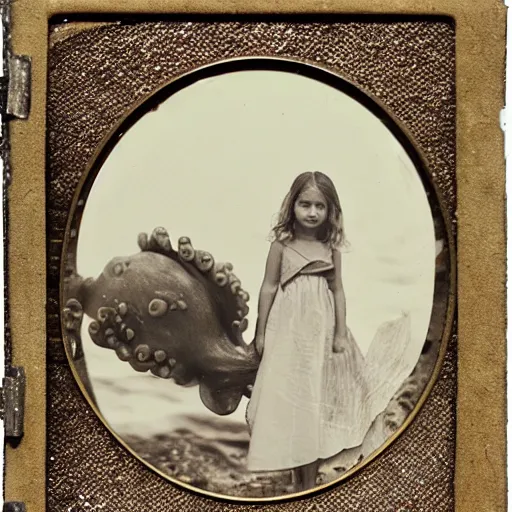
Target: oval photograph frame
75, 291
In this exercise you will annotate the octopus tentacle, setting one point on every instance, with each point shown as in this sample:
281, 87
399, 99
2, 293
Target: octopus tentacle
141, 366
109, 333
183, 375
124, 353
160, 356
239, 326
142, 241
160, 242
185, 250
72, 316
224, 285
220, 401
203, 261
142, 353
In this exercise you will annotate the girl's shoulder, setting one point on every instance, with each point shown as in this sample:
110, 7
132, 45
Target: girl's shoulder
277, 247
282, 242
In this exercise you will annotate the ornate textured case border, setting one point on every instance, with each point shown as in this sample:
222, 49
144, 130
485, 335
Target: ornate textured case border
480, 481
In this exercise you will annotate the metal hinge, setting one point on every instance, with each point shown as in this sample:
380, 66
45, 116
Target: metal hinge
12, 398
16, 77
18, 86
15, 88
14, 506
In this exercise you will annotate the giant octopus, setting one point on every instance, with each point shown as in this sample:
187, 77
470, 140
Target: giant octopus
181, 316
178, 314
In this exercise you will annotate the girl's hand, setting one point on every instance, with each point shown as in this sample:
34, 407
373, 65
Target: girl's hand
340, 343
259, 343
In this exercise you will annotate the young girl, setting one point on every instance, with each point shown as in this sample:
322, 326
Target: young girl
309, 399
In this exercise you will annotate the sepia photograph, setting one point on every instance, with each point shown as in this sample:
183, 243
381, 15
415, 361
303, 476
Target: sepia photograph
256, 279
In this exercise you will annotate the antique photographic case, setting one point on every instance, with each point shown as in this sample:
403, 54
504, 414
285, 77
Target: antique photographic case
151, 154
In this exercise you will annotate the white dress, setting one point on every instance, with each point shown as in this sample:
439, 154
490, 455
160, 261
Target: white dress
309, 403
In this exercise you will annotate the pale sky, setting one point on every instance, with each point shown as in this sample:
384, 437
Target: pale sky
214, 162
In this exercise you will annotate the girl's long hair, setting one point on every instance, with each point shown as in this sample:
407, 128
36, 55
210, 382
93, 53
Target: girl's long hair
331, 231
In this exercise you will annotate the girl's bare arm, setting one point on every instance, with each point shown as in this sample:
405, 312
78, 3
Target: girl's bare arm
269, 287
336, 286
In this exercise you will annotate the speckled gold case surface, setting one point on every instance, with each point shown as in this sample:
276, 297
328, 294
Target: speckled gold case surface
438, 67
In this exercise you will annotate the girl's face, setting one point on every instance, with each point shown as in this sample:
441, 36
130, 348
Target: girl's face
310, 209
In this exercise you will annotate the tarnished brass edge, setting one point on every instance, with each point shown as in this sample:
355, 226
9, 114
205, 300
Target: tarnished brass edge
450, 8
